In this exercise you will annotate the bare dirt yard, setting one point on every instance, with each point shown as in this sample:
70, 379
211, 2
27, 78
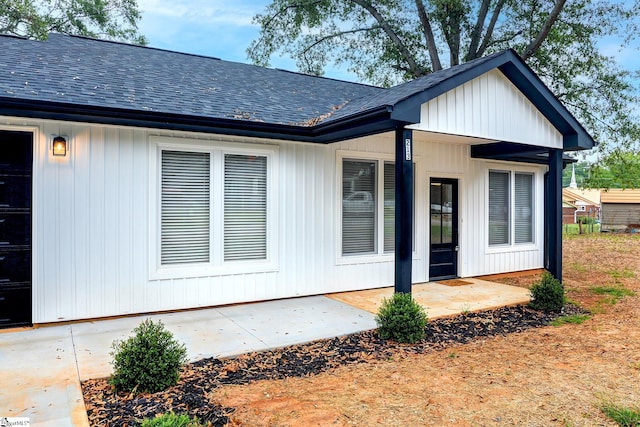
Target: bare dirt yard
535, 376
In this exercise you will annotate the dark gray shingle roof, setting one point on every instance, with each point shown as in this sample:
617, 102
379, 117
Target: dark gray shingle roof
89, 72
76, 78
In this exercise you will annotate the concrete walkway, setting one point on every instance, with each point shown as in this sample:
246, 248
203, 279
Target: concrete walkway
41, 368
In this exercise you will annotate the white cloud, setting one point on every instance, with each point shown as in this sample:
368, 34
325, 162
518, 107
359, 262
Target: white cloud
201, 11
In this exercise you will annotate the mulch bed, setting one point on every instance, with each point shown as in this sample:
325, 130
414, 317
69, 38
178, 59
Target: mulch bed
107, 408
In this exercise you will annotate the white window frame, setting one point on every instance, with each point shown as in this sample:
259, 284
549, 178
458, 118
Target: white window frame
216, 265
536, 197
380, 255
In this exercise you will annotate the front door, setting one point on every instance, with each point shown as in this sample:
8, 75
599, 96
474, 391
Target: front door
443, 253
15, 228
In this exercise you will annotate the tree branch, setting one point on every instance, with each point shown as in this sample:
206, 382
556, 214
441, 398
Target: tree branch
285, 9
544, 31
334, 35
429, 38
477, 31
489, 34
415, 69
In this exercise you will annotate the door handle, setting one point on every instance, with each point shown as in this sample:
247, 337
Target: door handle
457, 248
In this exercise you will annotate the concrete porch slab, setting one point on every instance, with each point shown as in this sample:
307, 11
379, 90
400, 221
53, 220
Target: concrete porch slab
440, 300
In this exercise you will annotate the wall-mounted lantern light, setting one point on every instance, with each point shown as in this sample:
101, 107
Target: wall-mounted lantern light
59, 145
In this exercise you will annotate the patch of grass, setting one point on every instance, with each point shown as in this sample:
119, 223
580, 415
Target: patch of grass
622, 274
569, 230
613, 293
171, 420
574, 319
623, 416
578, 267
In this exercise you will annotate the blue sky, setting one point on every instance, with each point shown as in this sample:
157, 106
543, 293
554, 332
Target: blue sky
218, 28
223, 29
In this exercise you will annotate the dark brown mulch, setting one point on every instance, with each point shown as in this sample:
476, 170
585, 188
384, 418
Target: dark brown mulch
107, 408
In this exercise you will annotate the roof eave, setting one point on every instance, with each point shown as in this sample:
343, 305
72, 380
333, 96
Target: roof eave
358, 125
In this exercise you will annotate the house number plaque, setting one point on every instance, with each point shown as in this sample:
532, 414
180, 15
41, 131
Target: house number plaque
407, 149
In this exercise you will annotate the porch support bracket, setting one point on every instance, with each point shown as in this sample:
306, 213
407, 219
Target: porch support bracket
553, 214
403, 209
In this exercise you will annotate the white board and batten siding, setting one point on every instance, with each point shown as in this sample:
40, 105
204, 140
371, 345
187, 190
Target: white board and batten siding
93, 215
489, 107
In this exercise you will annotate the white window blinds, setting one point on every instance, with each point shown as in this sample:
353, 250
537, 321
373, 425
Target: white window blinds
185, 215
389, 207
523, 215
359, 202
498, 208
245, 207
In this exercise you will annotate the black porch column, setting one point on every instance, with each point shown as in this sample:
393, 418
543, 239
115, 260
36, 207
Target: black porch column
553, 214
403, 209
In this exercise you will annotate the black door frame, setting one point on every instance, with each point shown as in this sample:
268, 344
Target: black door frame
454, 245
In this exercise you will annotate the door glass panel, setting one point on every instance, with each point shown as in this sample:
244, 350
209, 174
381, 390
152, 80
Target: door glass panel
436, 213
447, 213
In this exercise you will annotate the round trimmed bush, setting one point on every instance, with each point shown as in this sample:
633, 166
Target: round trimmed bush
148, 361
401, 319
547, 294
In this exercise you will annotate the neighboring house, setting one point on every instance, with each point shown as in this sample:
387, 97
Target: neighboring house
620, 209
144, 180
579, 203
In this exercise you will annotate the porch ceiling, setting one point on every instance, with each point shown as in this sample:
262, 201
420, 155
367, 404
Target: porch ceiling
514, 152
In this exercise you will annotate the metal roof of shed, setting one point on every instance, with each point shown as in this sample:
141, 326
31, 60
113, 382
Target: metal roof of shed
617, 195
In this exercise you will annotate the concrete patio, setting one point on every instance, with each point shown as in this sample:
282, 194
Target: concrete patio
42, 367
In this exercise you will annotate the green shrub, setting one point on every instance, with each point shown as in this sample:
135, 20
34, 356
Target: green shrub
547, 294
171, 420
149, 361
401, 319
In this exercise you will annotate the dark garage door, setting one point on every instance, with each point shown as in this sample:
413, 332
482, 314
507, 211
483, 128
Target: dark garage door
15, 228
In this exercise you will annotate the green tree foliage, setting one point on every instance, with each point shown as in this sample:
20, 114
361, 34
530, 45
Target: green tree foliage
617, 169
106, 19
388, 41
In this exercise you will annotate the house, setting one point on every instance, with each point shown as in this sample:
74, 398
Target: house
579, 203
620, 210
143, 180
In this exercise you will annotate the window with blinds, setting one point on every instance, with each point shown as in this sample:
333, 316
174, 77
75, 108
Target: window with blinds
389, 207
185, 207
359, 205
498, 208
523, 208
245, 207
